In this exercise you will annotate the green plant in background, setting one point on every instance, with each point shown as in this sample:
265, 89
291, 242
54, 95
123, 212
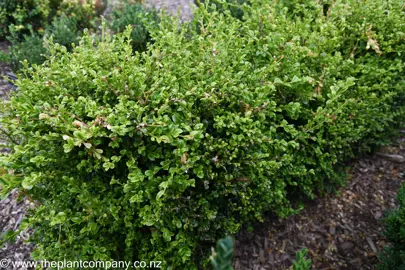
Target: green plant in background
301, 262
156, 155
86, 15
30, 48
139, 18
33, 48
393, 256
233, 6
222, 256
64, 30
24, 16
21, 17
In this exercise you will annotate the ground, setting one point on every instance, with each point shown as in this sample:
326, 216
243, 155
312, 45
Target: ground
341, 231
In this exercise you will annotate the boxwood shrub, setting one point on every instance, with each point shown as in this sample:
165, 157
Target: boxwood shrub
154, 155
138, 16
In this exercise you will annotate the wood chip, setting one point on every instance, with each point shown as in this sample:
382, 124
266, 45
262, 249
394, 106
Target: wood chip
371, 244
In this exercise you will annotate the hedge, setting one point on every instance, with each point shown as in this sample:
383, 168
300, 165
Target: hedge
155, 155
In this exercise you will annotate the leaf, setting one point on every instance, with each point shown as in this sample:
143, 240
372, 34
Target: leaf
28, 183
137, 198
176, 132
87, 145
136, 176
278, 81
160, 194
58, 219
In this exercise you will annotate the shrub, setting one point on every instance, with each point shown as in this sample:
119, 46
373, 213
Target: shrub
393, 256
64, 30
156, 155
301, 262
21, 17
233, 6
139, 18
31, 49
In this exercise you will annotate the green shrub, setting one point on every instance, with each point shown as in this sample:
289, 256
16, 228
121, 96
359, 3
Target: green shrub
233, 6
156, 155
64, 30
86, 15
21, 17
301, 262
393, 256
139, 18
31, 49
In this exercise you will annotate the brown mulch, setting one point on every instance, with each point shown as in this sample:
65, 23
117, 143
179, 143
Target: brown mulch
342, 231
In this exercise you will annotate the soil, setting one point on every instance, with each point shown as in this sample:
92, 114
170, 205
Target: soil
341, 231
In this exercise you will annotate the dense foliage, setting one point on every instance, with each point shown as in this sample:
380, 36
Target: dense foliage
30, 23
21, 17
393, 256
233, 6
33, 48
153, 155
139, 18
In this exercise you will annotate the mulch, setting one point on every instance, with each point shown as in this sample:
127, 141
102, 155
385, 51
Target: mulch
342, 231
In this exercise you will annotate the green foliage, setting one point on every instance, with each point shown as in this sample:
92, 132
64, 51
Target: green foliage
86, 15
139, 18
64, 30
153, 155
393, 256
221, 258
301, 262
21, 17
31, 49
231, 6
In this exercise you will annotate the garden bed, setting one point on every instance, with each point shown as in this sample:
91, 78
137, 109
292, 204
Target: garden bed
342, 231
